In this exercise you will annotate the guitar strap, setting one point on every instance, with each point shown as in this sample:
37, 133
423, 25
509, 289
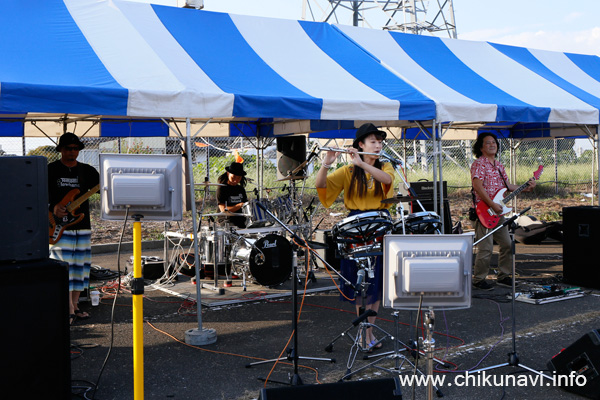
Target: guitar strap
503, 180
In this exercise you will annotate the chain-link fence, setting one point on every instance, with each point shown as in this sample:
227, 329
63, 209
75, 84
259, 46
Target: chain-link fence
568, 167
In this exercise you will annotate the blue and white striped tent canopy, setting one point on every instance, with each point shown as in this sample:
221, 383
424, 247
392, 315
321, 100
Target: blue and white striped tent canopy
127, 59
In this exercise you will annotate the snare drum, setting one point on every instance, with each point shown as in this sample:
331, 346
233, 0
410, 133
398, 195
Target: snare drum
362, 234
423, 223
268, 258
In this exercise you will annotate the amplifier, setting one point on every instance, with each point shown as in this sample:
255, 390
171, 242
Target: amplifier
424, 189
328, 254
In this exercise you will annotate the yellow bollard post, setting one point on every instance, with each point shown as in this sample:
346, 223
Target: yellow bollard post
137, 290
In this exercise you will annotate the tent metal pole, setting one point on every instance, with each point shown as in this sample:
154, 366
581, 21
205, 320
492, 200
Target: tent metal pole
199, 336
441, 181
435, 165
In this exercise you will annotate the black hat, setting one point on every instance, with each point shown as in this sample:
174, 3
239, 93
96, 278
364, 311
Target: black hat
364, 131
67, 139
236, 168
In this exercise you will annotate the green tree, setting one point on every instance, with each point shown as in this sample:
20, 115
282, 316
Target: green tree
47, 151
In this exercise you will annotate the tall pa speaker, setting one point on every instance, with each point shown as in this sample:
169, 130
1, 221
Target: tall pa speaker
23, 208
34, 339
291, 152
380, 389
581, 359
581, 236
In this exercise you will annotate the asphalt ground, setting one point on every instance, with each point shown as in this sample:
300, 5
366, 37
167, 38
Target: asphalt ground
475, 338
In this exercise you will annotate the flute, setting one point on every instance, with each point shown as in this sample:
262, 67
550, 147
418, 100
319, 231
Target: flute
347, 151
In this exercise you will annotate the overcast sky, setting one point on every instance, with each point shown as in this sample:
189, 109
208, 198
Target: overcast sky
560, 25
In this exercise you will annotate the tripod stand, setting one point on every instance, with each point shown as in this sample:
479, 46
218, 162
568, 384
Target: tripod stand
513, 358
293, 353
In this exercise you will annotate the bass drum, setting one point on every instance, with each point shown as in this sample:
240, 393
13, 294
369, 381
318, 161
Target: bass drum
268, 258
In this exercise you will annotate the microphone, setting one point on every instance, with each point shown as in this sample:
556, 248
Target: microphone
360, 277
391, 159
284, 187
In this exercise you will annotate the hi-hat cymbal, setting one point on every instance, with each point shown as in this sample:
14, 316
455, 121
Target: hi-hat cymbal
226, 214
396, 199
291, 178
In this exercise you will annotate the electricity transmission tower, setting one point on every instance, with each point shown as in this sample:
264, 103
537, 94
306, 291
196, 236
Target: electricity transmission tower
410, 16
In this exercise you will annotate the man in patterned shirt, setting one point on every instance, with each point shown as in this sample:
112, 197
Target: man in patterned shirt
488, 176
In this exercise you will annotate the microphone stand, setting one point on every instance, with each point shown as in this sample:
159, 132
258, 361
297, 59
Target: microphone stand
513, 358
293, 356
396, 164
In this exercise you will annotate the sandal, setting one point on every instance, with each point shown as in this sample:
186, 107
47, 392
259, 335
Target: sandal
375, 345
81, 314
72, 318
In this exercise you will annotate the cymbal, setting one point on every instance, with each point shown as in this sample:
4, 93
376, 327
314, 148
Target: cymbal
206, 183
226, 214
291, 178
396, 199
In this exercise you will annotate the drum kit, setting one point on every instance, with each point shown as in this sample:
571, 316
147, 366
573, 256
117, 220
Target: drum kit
262, 251
259, 250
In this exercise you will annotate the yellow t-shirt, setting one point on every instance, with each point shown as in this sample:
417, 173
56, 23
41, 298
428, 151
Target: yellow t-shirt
340, 180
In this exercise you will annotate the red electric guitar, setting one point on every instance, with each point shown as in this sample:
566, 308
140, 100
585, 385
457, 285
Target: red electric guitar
58, 225
487, 216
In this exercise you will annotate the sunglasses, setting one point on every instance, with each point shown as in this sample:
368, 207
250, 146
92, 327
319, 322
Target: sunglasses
72, 148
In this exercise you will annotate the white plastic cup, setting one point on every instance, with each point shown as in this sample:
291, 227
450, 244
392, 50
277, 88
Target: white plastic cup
95, 296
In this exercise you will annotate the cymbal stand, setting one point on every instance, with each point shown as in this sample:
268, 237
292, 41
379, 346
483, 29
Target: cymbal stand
293, 356
513, 358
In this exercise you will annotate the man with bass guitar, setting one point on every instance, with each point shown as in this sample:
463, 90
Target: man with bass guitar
489, 177
70, 227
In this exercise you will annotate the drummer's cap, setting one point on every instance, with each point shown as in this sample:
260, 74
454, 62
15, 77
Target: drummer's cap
366, 130
236, 169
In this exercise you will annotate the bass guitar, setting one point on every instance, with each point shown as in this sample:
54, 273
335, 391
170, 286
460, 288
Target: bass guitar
487, 216
57, 225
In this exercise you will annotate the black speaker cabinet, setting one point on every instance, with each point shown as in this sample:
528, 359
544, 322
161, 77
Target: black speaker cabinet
429, 206
329, 254
380, 389
291, 152
582, 359
34, 339
581, 237
23, 208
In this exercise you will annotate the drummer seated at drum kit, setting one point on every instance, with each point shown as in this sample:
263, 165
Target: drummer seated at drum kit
365, 184
232, 197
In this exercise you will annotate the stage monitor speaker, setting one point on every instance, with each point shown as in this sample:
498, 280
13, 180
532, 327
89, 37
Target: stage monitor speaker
24, 208
328, 254
429, 206
581, 236
582, 358
291, 152
380, 389
34, 339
